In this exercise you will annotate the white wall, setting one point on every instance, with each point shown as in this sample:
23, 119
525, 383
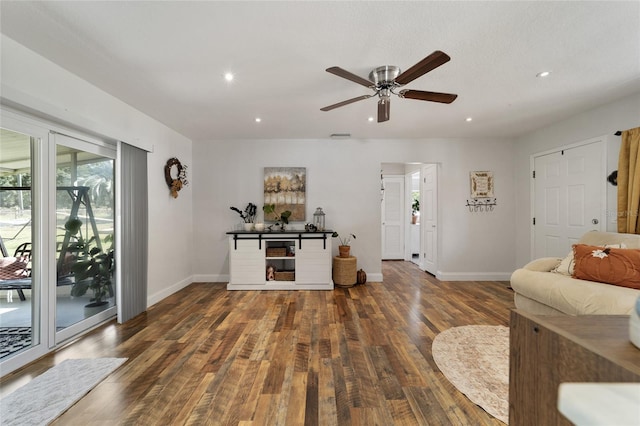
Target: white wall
602, 121
33, 83
343, 177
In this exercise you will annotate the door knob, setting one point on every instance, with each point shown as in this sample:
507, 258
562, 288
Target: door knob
595, 221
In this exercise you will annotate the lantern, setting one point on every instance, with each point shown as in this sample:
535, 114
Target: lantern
318, 219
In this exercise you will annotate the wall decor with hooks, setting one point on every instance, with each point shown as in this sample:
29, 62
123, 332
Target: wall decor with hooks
481, 192
481, 204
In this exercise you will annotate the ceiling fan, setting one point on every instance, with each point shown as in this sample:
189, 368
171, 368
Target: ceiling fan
386, 79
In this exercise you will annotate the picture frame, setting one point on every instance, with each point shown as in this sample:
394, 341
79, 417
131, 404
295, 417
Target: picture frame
482, 184
286, 187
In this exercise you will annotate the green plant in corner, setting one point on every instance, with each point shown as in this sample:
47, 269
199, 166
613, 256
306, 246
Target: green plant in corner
93, 267
280, 219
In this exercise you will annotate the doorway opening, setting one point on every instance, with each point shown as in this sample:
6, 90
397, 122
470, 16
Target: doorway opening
409, 214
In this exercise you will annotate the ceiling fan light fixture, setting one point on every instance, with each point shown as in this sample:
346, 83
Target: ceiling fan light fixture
384, 75
385, 79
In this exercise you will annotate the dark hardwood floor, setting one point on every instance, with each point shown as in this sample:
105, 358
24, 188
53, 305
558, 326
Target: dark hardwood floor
358, 356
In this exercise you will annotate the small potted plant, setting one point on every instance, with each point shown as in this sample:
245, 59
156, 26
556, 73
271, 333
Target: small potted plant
344, 248
280, 219
415, 208
248, 215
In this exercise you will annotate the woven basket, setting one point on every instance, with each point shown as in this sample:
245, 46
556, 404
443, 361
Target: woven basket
285, 276
344, 271
276, 252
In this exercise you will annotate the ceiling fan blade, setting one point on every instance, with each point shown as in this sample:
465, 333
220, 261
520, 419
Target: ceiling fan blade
350, 76
429, 63
421, 95
347, 102
384, 108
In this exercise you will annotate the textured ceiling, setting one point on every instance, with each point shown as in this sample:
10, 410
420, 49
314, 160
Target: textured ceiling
167, 59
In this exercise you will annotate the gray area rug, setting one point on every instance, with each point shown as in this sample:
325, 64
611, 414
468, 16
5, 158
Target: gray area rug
50, 394
475, 359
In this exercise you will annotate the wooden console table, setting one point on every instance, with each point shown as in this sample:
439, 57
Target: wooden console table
299, 260
546, 351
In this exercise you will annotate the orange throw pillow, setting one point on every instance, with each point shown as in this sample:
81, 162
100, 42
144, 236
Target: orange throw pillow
615, 266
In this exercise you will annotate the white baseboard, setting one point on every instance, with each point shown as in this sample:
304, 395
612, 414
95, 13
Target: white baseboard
374, 278
211, 278
473, 276
155, 298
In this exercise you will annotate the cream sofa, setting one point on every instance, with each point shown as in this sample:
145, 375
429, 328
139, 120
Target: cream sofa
540, 291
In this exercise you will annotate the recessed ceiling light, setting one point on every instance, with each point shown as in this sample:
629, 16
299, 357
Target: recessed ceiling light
370, 119
228, 76
258, 119
468, 119
543, 74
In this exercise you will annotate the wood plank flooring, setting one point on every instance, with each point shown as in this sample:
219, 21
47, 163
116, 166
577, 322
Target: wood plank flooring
358, 356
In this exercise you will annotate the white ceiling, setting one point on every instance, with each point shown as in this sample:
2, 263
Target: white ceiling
168, 59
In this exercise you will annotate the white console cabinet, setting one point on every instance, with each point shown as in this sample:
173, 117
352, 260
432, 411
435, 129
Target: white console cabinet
300, 260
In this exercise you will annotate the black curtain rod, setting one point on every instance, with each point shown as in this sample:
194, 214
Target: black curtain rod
618, 133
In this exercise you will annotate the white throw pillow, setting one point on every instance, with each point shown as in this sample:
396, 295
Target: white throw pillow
566, 265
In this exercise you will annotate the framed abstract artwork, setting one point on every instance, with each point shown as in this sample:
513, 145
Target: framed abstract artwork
286, 187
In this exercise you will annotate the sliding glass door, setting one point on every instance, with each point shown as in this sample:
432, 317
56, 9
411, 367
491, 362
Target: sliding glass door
57, 221
84, 235
19, 299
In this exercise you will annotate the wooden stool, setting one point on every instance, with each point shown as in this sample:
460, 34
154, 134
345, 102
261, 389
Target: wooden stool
344, 271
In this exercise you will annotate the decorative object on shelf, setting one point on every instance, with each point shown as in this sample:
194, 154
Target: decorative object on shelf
481, 184
310, 227
481, 205
247, 216
258, 226
318, 219
270, 273
175, 174
344, 248
285, 188
361, 276
280, 219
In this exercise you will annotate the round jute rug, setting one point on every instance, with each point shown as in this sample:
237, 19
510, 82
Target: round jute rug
475, 359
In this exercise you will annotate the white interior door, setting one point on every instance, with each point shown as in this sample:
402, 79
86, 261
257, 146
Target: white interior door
392, 218
429, 218
569, 191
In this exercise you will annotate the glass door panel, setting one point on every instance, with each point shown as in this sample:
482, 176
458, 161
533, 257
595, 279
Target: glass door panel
85, 287
19, 300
